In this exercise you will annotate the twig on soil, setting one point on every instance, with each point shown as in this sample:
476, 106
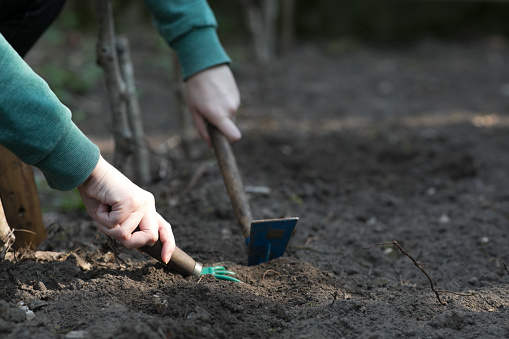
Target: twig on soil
269, 271
505, 267
457, 293
307, 248
395, 244
90, 243
202, 169
117, 249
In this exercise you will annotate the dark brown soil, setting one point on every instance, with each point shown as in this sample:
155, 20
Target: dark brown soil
365, 146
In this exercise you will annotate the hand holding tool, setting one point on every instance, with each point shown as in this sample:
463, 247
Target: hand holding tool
182, 263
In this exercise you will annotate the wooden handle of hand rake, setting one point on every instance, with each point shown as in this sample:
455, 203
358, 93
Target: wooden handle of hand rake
180, 261
232, 178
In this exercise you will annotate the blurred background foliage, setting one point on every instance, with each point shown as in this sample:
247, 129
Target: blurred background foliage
368, 20
400, 21
339, 25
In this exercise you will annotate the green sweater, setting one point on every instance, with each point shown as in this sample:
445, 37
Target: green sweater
38, 128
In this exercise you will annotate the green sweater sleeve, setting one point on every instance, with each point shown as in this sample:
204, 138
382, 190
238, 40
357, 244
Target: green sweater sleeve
189, 27
38, 128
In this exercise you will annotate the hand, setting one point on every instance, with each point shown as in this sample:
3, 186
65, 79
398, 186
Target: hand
213, 96
118, 206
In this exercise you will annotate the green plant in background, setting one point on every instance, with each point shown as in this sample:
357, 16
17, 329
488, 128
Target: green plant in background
296, 199
70, 68
52, 200
67, 79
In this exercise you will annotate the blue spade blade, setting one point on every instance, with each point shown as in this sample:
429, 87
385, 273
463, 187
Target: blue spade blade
268, 239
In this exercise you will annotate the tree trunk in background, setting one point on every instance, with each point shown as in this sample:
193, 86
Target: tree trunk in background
141, 159
261, 18
184, 117
20, 199
287, 25
107, 58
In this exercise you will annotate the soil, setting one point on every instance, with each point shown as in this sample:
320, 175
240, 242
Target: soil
367, 146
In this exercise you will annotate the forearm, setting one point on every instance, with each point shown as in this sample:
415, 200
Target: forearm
37, 127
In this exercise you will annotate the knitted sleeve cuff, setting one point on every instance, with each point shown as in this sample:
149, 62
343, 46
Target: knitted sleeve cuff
198, 50
71, 162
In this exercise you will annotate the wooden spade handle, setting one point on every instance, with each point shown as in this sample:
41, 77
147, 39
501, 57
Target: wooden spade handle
180, 261
232, 179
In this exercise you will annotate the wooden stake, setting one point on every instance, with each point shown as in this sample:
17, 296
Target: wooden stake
107, 58
141, 160
6, 234
20, 199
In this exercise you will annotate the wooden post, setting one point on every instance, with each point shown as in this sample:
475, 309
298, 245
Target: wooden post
20, 200
6, 234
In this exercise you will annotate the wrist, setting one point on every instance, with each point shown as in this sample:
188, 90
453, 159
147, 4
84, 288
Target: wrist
97, 173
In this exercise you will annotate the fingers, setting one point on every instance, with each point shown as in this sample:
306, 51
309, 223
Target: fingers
225, 125
213, 96
123, 231
166, 237
119, 206
229, 129
148, 233
201, 127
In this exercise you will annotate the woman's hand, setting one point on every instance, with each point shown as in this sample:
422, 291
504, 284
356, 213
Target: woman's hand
118, 206
213, 96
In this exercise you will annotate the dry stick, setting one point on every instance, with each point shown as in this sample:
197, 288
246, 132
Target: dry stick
90, 243
107, 58
267, 271
394, 243
141, 161
307, 248
198, 174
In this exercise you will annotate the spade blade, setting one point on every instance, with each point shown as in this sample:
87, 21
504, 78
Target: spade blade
268, 239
